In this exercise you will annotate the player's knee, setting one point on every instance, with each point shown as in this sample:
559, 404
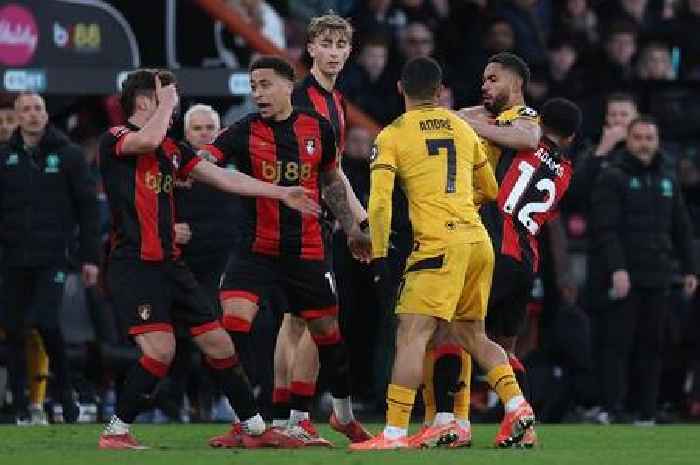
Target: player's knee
325, 330
159, 345
216, 344
415, 330
292, 329
470, 335
163, 354
323, 326
238, 314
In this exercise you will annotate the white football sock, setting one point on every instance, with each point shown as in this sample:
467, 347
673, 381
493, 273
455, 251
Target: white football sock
514, 403
254, 426
343, 410
297, 416
443, 418
394, 432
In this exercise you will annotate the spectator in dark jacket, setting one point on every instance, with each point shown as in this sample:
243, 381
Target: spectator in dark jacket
45, 194
639, 222
620, 111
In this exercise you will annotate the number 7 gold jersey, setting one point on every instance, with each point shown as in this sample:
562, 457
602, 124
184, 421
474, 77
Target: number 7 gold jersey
438, 161
437, 157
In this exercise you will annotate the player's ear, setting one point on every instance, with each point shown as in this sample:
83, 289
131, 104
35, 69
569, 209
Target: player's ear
143, 102
518, 85
311, 49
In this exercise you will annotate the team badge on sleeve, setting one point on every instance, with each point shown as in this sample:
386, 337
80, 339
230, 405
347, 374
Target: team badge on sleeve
119, 131
373, 153
527, 112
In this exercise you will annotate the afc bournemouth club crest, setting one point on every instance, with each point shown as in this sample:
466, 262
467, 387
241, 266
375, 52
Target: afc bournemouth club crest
144, 311
310, 146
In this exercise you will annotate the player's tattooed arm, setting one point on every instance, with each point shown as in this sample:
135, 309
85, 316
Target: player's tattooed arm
356, 207
336, 196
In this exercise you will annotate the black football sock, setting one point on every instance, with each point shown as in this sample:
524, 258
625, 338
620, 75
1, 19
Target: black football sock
333, 354
229, 373
136, 393
446, 381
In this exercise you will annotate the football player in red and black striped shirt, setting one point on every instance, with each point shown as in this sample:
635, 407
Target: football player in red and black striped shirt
285, 145
329, 43
531, 185
139, 165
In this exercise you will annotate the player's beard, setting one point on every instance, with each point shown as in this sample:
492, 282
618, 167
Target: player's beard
497, 105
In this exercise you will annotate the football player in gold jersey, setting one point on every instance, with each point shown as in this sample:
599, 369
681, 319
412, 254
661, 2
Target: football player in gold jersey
503, 121
504, 124
438, 159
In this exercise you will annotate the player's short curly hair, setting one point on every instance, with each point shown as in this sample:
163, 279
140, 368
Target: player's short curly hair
561, 116
514, 63
142, 82
329, 22
278, 64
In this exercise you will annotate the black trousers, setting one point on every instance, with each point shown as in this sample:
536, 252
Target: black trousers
32, 298
630, 335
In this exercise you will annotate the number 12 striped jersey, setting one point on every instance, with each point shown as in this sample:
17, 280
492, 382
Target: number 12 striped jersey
531, 188
437, 158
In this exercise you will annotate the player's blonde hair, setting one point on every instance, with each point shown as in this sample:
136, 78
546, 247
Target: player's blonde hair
329, 22
204, 108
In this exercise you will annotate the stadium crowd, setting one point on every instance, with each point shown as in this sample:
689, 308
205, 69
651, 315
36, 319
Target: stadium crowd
597, 348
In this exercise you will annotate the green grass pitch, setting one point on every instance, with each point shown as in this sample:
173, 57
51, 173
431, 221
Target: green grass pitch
186, 444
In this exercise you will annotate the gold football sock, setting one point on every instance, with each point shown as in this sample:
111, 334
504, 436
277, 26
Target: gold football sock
502, 380
400, 403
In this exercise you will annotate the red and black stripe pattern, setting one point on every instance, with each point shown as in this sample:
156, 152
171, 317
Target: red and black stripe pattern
532, 183
331, 105
293, 152
139, 190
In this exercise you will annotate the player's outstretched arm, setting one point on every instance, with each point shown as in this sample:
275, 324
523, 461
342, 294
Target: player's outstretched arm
336, 194
239, 183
